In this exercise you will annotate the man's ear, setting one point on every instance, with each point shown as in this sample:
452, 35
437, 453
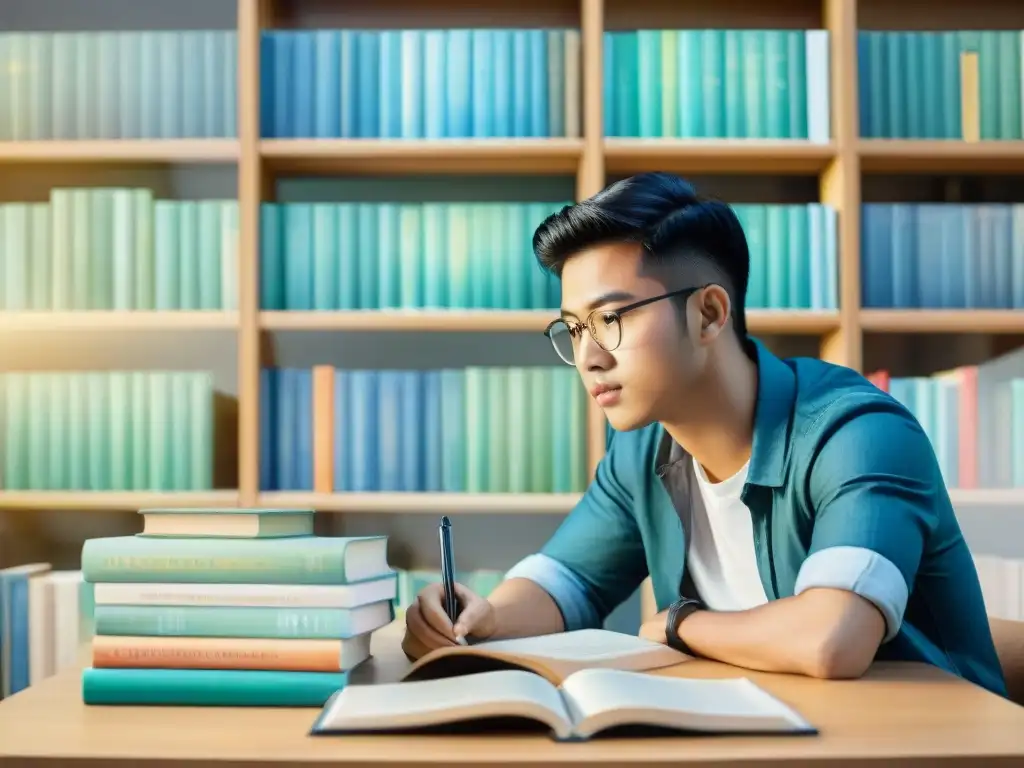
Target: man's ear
715, 308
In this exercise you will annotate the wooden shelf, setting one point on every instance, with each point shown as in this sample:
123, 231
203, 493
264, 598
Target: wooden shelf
1012, 498
121, 151
791, 321
413, 156
424, 503
409, 320
115, 500
951, 156
942, 320
760, 321
749, 156
102, 320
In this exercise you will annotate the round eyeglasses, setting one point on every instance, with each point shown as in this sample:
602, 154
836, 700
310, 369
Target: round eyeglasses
605, 326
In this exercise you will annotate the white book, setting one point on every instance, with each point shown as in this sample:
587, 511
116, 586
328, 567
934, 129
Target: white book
249, 595
575, 684
588, 702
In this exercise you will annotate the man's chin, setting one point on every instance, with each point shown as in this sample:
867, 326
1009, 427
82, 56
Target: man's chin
625, 422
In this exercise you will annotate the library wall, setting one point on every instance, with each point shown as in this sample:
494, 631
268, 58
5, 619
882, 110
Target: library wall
841, 173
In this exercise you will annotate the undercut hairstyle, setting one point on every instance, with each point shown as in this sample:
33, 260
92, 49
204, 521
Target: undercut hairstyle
665, 216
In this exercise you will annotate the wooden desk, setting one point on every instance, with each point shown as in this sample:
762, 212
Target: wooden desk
899, 715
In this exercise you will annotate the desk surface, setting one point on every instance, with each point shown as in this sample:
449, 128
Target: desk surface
898, 714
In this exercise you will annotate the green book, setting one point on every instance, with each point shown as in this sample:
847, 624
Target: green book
209, 687
217, 560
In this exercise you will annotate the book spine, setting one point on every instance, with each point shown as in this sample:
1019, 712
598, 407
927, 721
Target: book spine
202, 687
226, 621
139, 652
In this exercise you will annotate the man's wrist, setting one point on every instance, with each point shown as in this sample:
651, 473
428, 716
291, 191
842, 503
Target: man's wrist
678, 613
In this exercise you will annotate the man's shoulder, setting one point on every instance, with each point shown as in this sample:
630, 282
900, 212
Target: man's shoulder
829, 396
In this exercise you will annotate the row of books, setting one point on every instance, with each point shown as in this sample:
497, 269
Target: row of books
106, 430
794, 255
974, 417
327, 256
942, 255
478, 429
420, 83
471, 83
45, 617
99, 248
121, 249
118, 85
911, 88
717, 83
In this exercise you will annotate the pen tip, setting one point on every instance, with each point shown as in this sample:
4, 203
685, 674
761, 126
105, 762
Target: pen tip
445, 520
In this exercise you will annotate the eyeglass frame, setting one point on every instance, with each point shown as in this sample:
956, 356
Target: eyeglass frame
618, 316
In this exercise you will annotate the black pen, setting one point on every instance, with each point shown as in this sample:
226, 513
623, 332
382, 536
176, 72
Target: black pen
451, 605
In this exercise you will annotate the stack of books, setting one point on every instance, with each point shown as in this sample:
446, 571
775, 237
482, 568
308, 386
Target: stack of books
232, 607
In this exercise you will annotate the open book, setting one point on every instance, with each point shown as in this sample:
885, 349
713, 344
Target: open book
589, 702
553, 657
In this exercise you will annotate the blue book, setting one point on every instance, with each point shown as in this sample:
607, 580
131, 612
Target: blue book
431, 449
459, 79
268, 80
368, 85
303, 84
389, 430
287, 429
269, 400
362, 430
434, 84
326, 93
302, 480
298, 269
391, 86
342, 448
284, 77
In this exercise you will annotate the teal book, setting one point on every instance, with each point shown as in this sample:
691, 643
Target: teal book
209, 687
242, 621
298, 560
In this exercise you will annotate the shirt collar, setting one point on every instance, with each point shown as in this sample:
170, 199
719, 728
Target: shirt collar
773, 418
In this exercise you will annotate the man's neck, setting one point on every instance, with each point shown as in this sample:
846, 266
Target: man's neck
717, 428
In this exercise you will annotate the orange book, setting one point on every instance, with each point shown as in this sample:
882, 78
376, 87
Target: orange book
323, 429
302, 655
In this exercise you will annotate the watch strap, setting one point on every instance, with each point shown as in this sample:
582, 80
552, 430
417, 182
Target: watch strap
677, 612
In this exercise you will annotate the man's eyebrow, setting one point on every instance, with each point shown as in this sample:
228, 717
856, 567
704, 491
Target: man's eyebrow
604, 298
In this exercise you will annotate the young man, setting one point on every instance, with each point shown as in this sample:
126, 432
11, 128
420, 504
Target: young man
792, 517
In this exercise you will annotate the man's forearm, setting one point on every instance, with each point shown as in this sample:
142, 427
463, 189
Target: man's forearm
523, 608
821, 633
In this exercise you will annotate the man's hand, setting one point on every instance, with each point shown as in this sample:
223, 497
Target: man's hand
654, 628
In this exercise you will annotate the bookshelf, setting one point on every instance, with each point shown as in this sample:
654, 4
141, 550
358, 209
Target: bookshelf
838, 165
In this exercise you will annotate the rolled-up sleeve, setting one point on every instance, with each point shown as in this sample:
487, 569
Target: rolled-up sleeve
874, 487
595, 559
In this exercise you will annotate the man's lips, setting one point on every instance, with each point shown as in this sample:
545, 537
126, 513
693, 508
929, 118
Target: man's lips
605, 394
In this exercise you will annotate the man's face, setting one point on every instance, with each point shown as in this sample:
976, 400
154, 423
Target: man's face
645, 377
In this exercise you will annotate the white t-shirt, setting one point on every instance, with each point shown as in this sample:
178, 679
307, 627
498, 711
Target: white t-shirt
721, 558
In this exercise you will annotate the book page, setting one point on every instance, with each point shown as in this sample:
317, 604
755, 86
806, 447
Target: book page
422, 703
586, 648
601, 698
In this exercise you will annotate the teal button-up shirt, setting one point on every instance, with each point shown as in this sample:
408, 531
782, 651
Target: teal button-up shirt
844, 490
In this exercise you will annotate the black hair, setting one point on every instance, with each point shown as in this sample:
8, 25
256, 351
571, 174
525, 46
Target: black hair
666, 217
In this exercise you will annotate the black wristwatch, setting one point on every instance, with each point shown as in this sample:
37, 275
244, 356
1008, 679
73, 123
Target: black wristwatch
678, 611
